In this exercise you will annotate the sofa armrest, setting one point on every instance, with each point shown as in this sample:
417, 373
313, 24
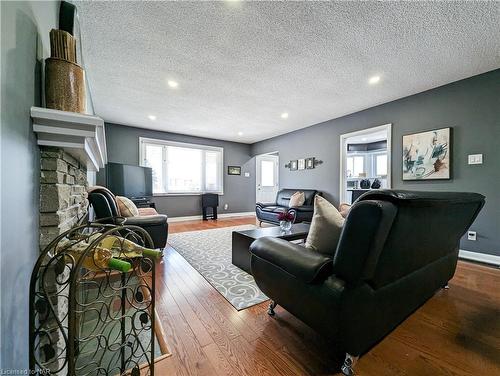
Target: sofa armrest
302, 263
264, 204
150, 220
155, 225
303, 208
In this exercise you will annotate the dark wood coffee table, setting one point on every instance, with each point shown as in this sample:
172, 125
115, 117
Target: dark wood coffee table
242, 240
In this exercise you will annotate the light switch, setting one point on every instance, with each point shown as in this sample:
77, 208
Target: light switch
475, 159
247, 174
472, 235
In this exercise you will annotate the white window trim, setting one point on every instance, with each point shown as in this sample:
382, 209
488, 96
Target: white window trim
343, 152
146, 140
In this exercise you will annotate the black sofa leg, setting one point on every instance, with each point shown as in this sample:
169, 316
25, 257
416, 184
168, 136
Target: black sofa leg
271, 308
348, 364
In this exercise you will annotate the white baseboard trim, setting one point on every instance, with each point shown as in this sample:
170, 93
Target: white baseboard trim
222, 215
479, 257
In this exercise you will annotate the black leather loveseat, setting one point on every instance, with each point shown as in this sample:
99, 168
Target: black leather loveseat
396, 249
106, 211
268, 212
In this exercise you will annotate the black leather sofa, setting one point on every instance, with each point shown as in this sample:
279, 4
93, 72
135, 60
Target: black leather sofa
397, 248
106, 211
268, 212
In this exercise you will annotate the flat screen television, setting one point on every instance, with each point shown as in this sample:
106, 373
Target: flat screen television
129, 181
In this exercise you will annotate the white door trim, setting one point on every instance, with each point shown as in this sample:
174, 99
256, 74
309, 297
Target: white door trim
343, 137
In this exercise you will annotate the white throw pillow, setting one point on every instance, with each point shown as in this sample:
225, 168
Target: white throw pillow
127, 207
326, 226
297, 199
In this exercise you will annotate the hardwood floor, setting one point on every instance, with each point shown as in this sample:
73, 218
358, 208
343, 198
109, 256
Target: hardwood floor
457, 332
205, 225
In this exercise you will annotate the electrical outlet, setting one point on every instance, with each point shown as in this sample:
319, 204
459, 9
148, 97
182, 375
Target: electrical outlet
226, 206
475, 159
471, 235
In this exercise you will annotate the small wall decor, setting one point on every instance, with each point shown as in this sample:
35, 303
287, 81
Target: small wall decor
317, 162
234, 170
303, 164
427, 155
310, 163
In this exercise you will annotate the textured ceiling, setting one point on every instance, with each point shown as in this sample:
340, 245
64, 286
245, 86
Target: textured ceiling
239, 65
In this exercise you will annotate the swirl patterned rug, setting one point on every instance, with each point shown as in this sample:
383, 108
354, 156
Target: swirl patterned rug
209, 252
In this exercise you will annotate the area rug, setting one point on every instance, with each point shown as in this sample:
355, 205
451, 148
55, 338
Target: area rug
209, 252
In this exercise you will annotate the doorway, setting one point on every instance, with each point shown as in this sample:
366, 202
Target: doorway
365, 162
266, 177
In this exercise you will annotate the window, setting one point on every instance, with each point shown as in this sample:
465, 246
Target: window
267, 173
381, 165
355, 166
180, 168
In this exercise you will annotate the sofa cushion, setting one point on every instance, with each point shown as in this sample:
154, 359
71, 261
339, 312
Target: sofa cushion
326, 226
274, 209
127, 207
297, 199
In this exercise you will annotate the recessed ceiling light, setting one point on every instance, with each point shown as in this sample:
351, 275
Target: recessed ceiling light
284, 115
373, 80
152, 117
233, 3
363, 139
240, 133
172, 84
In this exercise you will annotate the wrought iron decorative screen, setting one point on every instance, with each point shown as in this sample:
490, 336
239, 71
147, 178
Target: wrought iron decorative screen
86, 317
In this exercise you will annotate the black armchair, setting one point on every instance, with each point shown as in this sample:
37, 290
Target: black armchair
396, 250
268, 212
105, 208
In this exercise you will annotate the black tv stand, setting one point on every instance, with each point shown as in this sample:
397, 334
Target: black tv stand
143, 202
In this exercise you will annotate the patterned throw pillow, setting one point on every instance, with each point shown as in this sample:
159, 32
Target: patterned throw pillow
326, 226
297, 199
127, 207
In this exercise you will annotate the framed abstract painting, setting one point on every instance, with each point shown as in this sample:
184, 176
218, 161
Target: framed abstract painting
427, 155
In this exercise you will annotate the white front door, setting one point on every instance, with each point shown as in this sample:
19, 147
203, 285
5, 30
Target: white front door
266, 177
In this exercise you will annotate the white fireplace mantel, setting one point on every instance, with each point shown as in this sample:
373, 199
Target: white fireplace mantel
80, 135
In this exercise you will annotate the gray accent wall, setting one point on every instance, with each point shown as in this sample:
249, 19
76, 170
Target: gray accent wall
239, 191
471, 107
25, 42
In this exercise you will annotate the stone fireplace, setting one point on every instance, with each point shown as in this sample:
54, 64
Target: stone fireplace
63, 204
63, 193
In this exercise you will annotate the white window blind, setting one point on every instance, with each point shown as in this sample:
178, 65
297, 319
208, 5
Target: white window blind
181, 168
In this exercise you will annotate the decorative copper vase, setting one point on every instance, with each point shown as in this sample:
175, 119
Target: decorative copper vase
64, 85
